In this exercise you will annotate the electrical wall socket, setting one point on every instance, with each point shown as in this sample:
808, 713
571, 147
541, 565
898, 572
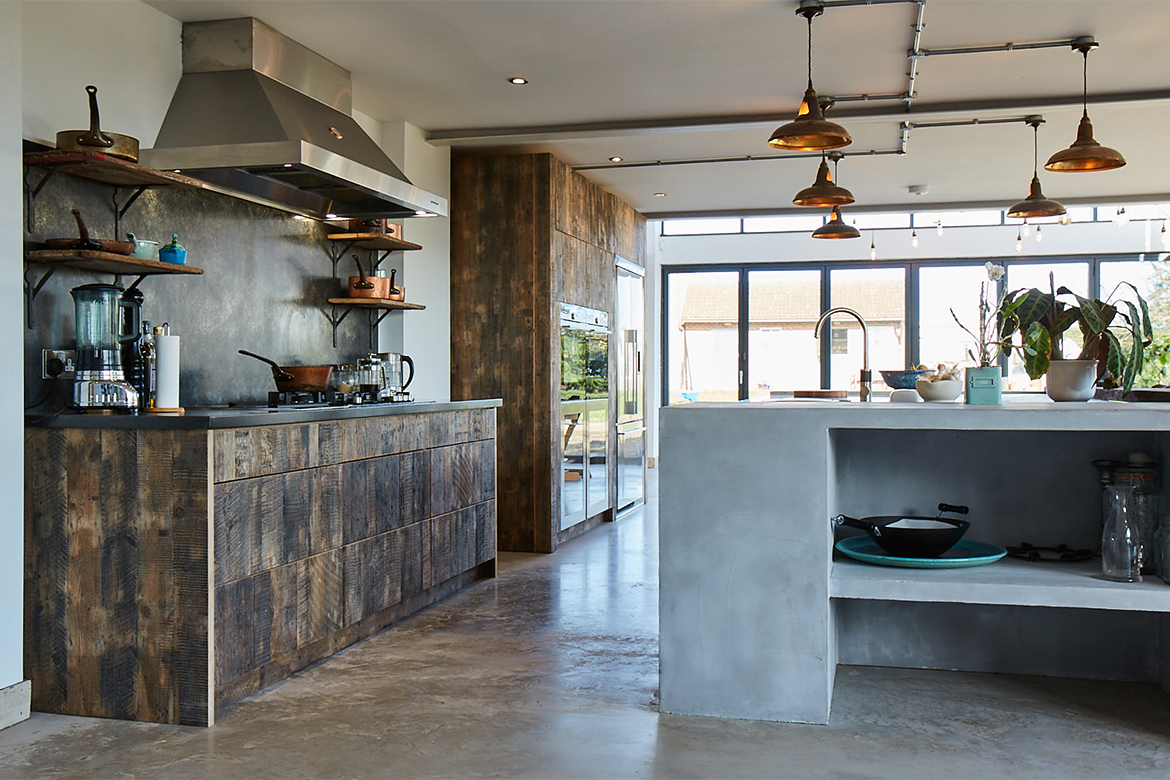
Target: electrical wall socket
68, 358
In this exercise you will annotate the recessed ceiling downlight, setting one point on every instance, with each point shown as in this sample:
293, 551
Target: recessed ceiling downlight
660, 194
517, 80
615, 158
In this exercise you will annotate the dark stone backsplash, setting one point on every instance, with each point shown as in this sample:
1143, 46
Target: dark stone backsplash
266, 278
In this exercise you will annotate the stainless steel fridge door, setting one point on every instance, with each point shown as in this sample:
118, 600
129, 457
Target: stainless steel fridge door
630, 335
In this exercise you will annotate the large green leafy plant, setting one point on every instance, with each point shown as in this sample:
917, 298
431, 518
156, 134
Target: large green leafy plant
1115, 331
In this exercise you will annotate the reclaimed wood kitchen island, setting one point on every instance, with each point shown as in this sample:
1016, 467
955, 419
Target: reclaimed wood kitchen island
176, 564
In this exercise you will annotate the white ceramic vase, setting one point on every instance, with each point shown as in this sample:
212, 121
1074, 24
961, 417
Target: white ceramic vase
1071, 380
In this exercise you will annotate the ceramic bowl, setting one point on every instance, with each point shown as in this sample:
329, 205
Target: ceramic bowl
902, 380
946, 390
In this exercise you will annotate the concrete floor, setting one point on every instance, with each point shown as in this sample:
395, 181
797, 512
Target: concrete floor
551, 671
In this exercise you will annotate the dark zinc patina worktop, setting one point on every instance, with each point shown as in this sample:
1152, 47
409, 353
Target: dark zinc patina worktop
176, 564
248, 416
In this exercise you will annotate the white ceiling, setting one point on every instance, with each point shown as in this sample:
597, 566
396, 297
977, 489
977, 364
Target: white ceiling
443, 66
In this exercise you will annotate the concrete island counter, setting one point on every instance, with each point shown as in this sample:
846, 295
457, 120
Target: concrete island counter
176, 564
756, 611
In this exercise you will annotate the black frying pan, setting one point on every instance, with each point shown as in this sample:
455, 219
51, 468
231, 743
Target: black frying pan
906, 536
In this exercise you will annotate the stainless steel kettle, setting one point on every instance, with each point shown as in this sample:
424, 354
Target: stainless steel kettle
392, 365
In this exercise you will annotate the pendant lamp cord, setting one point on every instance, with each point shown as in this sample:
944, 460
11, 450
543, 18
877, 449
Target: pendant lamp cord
1084, 83
809, 19
1035, 151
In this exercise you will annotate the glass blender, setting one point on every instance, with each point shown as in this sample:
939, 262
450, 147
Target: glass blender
100, 382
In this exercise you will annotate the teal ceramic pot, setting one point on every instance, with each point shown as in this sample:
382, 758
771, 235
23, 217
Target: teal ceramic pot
983, 386
173, 252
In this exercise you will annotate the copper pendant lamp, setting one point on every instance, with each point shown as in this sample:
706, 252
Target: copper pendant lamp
810, 131
1085, 154
1035, 205
824, 192
836, 227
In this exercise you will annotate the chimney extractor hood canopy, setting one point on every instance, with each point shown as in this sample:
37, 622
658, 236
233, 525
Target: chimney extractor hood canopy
261, 117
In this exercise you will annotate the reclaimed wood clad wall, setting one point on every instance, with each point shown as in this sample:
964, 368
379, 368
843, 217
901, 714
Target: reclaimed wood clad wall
382, 519
527, 234
116, 573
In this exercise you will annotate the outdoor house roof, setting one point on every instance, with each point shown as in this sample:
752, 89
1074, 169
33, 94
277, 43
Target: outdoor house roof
778, 303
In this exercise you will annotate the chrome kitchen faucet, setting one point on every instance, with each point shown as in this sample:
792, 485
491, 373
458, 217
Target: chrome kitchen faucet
866, 374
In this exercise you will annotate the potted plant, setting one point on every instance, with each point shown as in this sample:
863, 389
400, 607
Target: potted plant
1115, 335
982, 384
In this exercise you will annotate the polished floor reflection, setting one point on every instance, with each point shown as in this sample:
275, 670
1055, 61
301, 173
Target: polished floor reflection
551, 671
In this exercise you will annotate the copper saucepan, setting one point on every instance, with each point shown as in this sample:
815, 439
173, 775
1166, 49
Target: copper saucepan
94, 140
296, 378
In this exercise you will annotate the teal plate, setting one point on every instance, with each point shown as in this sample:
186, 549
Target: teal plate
962, 555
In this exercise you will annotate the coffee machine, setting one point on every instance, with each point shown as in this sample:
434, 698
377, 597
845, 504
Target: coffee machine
101, 330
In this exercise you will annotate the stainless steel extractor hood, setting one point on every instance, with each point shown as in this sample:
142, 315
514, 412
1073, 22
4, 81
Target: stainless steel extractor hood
259, 116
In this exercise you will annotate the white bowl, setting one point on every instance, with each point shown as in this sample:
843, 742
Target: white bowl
946, 390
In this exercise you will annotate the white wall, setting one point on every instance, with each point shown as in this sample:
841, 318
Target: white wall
128, 50
424, 335
11, 393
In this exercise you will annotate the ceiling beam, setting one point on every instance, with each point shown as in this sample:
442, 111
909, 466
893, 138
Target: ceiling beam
866, 112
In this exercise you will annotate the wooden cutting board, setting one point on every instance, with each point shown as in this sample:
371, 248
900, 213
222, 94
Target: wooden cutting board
820, 393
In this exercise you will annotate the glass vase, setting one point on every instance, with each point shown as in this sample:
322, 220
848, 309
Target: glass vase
1121, 544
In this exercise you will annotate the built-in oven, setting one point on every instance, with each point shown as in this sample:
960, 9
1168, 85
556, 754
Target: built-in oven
584, 413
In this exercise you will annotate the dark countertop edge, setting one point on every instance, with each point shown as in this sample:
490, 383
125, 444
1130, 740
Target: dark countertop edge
230, 418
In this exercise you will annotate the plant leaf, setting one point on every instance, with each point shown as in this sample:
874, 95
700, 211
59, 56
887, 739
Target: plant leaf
1032, 307
1037, 350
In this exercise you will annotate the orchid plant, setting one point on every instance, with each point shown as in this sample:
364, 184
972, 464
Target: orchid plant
988, 343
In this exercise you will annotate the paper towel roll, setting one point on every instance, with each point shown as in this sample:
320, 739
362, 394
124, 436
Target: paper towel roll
167, 377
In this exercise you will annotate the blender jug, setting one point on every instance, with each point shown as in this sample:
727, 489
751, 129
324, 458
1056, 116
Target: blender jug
100, 382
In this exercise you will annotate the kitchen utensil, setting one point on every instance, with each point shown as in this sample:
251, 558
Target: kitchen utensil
99, 382
395, 293
173, 252
943, 390
392, 366
296, 378
902, 380
94, 140
133, 359
345, 379
366, 226
964, 554
1061, 553
371, 372
908, 536
146, 250
905, 397
363, 286
88, 243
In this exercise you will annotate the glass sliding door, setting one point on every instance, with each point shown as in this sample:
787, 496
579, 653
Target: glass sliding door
878, 295
783, 307
702, 324
941, 290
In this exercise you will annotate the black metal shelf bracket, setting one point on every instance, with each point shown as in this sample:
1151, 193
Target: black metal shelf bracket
31, 192
375, 322
335, 256
32, 290
121, 209
336, 320
378, 262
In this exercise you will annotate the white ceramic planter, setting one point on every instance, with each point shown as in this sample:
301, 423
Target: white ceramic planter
1071, 380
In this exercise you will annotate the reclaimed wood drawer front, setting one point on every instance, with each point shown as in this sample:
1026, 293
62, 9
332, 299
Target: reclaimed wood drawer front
116, 590
252, 452
304, 557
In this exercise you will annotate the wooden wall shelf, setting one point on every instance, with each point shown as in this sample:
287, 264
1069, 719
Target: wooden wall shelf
385, 305
106, 262
98, 262
102, 168
379, 241
376, 303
